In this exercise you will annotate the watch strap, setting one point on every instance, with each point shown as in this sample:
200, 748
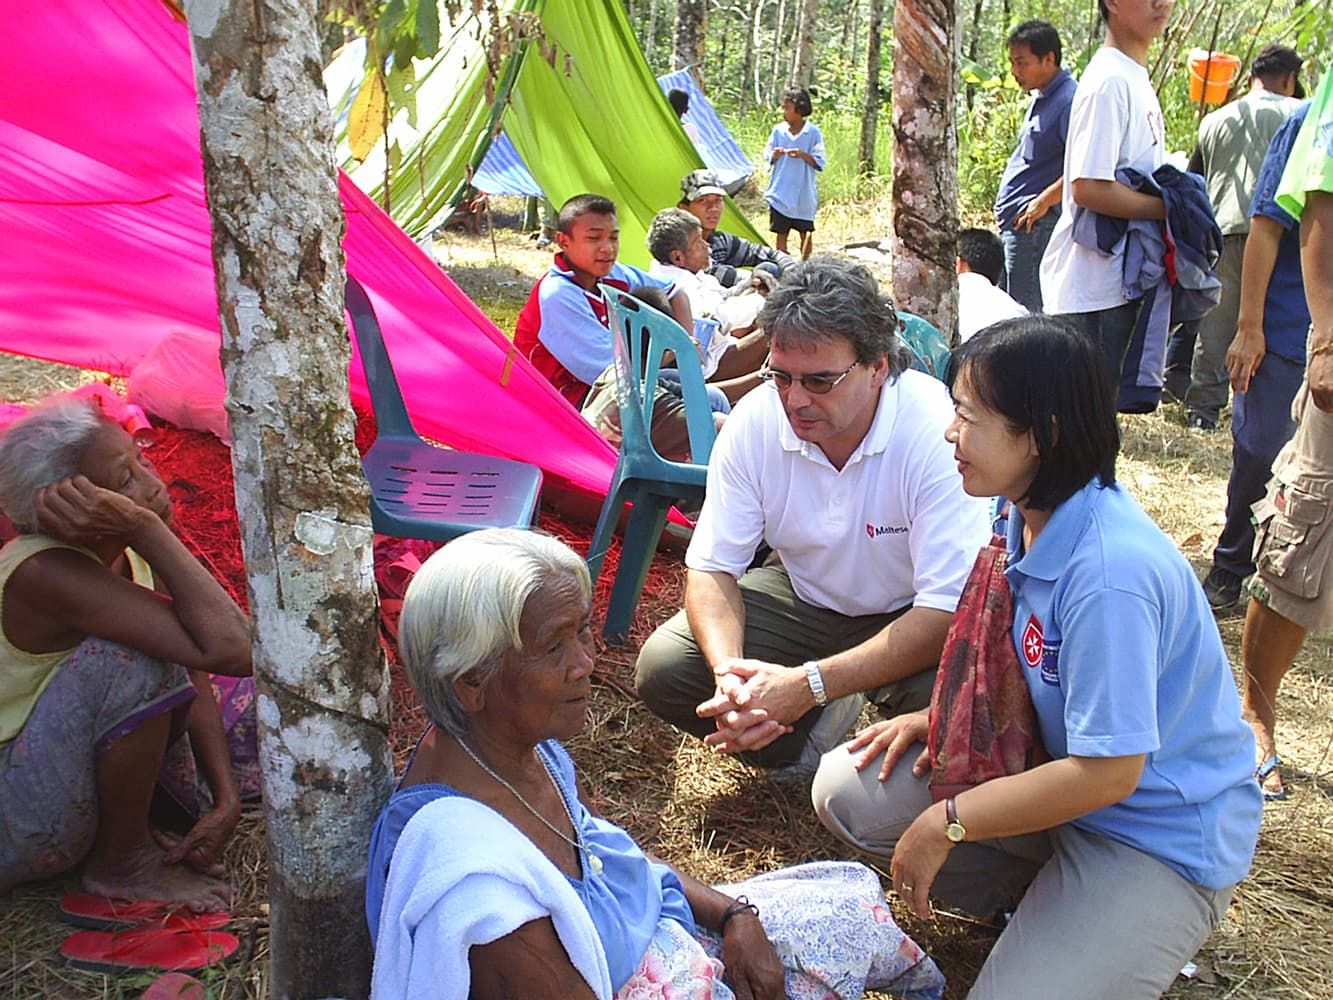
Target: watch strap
816, 681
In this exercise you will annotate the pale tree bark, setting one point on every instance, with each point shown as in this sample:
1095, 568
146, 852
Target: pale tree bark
925, 161
756, 24
775, 82
872, 98
803, 65
973, 43
850, 25
650, 40
687, 44
747, 62
266, 139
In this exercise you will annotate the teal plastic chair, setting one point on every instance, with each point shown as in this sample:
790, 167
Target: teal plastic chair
930, 350
418, 490
640, 336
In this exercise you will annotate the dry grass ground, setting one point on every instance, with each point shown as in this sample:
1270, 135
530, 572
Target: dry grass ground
723, 821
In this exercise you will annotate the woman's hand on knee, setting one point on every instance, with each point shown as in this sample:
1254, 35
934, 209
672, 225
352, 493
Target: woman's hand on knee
891, 739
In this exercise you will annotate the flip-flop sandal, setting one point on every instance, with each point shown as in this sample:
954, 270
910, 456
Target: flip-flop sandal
104, 913
113, 952
174, 986
1263, 771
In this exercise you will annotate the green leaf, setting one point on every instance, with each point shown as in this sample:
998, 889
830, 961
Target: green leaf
428, 28
402, 83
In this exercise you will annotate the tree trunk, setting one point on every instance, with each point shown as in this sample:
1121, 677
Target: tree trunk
688, 43
849, 26
775, 83
925, 161
803, 66
323, 692
871, 101
973, 41
747, 65
650, 40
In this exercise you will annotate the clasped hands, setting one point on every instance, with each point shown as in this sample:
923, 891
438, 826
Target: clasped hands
756, 702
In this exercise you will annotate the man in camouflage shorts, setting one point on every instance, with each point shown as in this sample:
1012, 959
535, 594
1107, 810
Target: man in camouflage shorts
1292, 591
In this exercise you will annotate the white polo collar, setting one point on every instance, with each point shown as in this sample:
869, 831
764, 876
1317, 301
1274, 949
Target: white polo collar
876, 439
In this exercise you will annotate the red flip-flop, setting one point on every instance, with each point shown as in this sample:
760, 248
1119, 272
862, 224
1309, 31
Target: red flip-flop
103, 913
174, 986
148, 947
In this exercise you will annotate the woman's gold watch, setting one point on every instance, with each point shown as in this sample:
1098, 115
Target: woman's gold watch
953, 829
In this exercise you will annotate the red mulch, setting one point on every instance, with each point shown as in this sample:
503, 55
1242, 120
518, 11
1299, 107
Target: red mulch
197, 469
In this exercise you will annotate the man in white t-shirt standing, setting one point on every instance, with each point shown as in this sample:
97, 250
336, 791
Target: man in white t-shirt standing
841, 467
1115, 122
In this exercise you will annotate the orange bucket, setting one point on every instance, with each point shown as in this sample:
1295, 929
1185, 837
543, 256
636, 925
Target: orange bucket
1211, 79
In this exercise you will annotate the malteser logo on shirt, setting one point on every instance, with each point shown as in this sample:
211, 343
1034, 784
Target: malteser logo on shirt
885, 529
1032, 641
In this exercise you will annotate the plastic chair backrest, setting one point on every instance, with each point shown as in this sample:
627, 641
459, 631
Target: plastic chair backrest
386, 398
930, 349
638, 360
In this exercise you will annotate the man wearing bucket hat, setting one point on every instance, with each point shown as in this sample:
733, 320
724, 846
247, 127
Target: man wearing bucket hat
703, 196
1232, 143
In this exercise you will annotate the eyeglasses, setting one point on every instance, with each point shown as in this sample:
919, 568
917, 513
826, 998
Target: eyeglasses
816, 385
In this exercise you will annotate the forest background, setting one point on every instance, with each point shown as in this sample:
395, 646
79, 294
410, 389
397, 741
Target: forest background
744, 52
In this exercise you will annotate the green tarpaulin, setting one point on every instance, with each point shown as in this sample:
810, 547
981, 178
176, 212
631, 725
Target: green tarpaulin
581, 107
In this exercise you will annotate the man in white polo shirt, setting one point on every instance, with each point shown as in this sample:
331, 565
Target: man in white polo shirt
841, 467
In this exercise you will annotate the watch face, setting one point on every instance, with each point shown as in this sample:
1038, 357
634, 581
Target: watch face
955, 832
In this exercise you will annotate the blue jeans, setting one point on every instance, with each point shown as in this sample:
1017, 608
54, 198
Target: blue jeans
1111, 330
1022, 259
1260, 425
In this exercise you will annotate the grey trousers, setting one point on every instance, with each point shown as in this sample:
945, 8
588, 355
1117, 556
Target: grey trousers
1097, 920
673, 677
1210, 384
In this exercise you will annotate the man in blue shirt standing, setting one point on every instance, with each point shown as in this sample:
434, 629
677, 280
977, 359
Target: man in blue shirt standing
1266, 361
1028, 202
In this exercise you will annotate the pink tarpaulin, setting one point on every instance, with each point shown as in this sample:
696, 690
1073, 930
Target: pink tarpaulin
104, 238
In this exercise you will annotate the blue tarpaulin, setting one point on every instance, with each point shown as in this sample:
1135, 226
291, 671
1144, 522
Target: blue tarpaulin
502, 170
719, 149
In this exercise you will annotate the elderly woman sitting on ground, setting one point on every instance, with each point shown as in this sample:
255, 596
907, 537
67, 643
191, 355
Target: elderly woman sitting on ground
489, 876
108, 627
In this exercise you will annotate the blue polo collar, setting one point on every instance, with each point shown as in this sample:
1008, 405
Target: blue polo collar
1058, 82
1054, 547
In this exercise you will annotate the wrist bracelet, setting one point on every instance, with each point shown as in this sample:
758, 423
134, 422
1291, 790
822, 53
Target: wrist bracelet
1325, 348
740, 905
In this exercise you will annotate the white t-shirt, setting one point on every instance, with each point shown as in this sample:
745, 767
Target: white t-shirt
704, 291
1114, 122
980, 304
892, 528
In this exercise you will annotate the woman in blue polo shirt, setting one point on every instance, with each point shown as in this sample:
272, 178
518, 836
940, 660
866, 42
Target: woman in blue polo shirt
1126, 847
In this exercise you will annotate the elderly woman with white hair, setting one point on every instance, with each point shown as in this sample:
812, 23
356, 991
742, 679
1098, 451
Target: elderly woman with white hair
108, 626
489, 876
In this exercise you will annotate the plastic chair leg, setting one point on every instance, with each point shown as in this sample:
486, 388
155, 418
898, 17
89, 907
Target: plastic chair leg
642, 533
607, 520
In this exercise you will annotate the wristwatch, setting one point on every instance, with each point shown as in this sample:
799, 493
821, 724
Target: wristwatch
816, 681
953, 829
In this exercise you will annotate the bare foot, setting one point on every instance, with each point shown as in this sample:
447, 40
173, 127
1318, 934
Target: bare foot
142, 874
